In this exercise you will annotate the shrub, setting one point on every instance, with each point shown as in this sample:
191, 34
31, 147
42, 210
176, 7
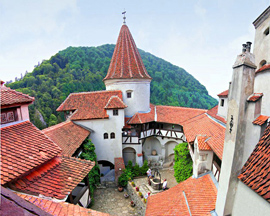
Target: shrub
136, 170
144, 167
183, 162
123, 180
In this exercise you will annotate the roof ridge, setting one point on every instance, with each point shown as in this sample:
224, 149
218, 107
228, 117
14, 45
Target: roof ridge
79, 159
17, 92
181, 107
57, 125
14, 123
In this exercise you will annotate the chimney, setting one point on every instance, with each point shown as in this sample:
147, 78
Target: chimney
248, 46
244, 48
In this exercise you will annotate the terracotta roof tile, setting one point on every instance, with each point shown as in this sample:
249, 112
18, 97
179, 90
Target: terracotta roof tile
88, 105
223, 94
202, 124
256, 171
68, 136
261, 120
126, 61
13, 205
254, 97
213, 113
115, 103
57, 178
11, 97
202, 143
166, 114
126, 122
263, 68
61, 208
201, 196
24, 147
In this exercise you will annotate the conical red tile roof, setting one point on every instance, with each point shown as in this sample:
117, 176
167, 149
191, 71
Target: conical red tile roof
126, 61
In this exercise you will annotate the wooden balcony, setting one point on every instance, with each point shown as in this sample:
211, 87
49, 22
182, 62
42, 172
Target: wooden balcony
130, 140
171, 134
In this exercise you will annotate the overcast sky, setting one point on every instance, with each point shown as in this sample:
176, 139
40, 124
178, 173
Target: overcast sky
203, 37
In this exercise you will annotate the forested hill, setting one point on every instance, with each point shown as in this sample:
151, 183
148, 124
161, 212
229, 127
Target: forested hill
78, 69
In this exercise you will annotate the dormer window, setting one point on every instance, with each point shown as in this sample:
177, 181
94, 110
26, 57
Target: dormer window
115, 112
262, 63
222, 102
266, 32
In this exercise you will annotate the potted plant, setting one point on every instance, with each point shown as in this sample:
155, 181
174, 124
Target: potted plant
126, 195
140, 194
132, 204
122, 182
144, 200
137, 188
133, 184
120, 188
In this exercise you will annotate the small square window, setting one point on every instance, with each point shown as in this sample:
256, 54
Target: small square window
115, 112
222, 102
128, 94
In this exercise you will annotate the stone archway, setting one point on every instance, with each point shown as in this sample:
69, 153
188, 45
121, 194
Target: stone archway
129, 154
169, 152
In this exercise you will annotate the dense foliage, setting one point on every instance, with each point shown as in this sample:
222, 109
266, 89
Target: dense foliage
89, 154
78, 69
183, 162
132, 171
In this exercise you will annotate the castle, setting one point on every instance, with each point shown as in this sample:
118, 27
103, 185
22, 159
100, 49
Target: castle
229, 144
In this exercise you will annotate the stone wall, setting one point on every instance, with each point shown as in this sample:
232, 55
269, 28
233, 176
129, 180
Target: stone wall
134, 196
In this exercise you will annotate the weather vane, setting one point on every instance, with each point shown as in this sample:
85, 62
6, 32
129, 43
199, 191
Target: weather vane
124, 17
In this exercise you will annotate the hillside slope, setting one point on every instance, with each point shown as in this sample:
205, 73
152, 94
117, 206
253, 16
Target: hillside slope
78, 69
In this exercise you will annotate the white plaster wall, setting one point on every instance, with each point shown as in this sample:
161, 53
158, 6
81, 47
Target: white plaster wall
247, 202
262, 43
140, 99
151, 144
261, 85
169, 146
24, 112
222, 110
253, 133
106, 149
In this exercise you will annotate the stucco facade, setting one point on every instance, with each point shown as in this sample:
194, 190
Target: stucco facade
139, 90
106, 149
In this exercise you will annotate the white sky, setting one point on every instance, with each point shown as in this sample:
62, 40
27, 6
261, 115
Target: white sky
202, 36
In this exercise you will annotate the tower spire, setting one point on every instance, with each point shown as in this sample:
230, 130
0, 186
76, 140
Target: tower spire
124, 18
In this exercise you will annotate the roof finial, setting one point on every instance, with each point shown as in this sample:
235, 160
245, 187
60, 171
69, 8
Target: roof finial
124, 17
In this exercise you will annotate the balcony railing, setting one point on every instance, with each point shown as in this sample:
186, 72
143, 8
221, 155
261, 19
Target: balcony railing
163, 133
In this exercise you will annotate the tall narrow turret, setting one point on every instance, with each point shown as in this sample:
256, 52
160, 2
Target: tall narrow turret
128, 74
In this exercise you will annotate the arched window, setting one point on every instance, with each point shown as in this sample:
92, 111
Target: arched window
112, 135
106, 136
262, 63
266, 32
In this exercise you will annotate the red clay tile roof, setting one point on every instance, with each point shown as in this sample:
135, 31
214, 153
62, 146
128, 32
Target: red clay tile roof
202, 124
255, 173
166, 114
68, 136
263, 68
57, 178
223, 94
261, 120
13, 205
254, 97
202, 143
89, 105
126, 123
11, 97
200, 193
115, 103
126, 61
213, 113
61, 208
24, 147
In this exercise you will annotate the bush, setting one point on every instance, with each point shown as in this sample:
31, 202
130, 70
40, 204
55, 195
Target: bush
183, 162
123, 180
144, 167
136, 170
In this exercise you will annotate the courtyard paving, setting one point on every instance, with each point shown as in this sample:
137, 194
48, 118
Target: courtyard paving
110, 201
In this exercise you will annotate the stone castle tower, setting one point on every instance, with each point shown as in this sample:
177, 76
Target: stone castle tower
128, 74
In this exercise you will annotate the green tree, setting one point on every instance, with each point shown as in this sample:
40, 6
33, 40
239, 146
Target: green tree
183, 162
